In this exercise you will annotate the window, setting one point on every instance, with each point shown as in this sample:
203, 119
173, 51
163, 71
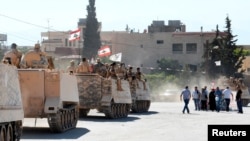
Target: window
66, 42
191, 48
159, 42
177, 48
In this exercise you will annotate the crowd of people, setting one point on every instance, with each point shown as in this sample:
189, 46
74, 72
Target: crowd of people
114, 70
37, 59
215, 100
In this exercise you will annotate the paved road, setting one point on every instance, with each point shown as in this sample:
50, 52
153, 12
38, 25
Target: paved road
164, 121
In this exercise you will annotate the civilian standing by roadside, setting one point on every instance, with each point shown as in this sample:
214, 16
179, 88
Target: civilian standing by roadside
218, 98
185, 95
238, 100
204, 96
211, 97
196, 97
227, 92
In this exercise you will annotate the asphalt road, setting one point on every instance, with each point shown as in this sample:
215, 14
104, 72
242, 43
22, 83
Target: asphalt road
164, 121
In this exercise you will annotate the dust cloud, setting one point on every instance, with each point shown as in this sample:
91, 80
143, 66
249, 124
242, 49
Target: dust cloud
170, 92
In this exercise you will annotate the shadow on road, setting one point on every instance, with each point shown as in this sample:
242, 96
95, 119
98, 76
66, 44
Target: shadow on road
144, 113
104, 119
45, 133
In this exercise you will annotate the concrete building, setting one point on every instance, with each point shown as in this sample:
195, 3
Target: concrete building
144, 49
139, 49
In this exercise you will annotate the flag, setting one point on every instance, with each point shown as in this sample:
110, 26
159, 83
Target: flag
217, 63
104, 51
116, 57
74, 35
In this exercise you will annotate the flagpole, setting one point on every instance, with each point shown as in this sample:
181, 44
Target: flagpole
79, 42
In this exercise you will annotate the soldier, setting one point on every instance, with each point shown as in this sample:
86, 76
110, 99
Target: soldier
14, 56
130, 74
121, 71
71, 68
83, 67
139, 76
114, 75
99, 68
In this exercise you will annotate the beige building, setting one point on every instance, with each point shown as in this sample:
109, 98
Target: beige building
144, 49
139, 49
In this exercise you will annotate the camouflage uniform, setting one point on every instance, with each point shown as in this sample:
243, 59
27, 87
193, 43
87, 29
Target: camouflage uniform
71, 69
13, 56
83, 67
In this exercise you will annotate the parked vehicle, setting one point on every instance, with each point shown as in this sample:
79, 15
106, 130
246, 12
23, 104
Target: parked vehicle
11, 109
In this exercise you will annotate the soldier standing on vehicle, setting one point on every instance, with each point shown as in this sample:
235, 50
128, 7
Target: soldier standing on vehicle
71, 69
140, 77
83, 67
13, 55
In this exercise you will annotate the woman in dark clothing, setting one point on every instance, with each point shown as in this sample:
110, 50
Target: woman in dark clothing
212, 103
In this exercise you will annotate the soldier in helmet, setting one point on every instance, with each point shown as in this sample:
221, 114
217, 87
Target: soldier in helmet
14, 56
71, 68
84, 66
35, 58
140, 77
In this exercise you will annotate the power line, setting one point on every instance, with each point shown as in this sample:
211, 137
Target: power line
23, 21
18, 20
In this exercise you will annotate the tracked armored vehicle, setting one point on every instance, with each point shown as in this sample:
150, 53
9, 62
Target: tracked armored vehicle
97, 92
140, 97
11, 109
244, 83
48, 93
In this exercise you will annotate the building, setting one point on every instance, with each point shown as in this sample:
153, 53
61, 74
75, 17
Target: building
144, 49
139, 49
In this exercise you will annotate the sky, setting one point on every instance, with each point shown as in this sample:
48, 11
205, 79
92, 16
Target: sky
24, 20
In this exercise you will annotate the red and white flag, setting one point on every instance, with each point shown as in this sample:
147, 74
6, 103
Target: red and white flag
74, 35
104, 51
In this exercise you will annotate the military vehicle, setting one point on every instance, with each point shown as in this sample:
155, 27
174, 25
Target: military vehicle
244, 83
97, 92
11, 109
140, 97
48, 93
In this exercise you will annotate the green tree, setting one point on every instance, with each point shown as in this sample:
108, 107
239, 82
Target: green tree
224, 49
91, 35
169, 66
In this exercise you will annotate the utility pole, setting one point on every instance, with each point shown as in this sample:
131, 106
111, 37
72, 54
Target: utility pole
48, 35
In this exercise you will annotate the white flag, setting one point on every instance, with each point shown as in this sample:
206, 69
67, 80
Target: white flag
116, 57
217, 63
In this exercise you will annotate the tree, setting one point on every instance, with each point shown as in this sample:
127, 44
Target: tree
91, 35
169, 66
224, 49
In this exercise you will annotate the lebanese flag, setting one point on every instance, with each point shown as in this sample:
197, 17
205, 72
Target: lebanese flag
104, 51
74, 35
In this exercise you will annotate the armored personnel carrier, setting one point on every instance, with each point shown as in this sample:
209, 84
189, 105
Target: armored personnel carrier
97, 92
48, 93
246, 87
244, 83
140, 97
11, 109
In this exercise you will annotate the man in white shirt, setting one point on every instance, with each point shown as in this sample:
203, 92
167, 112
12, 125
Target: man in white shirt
226, 93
